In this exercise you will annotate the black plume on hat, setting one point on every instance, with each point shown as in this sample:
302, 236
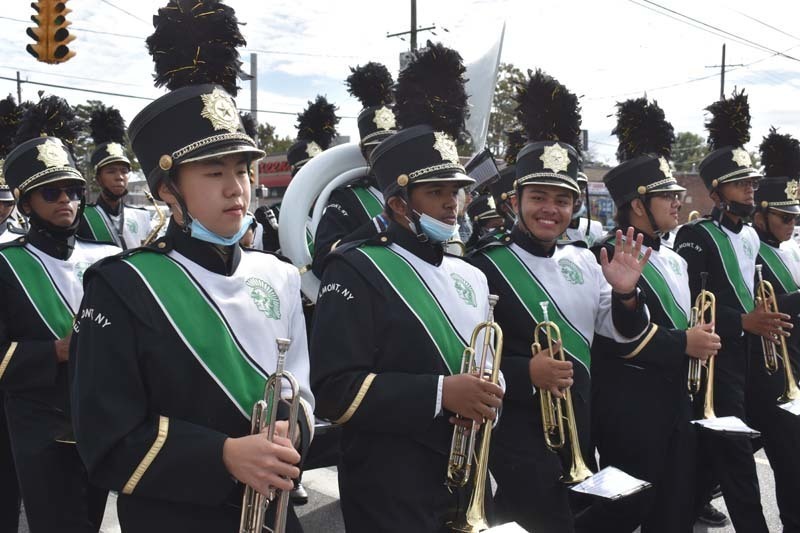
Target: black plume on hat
51, 116
10, 115
371, 84
107, 125
642, 129
250, 125
515, 140
318, 123
430, 91
780, 155
548, 111
730, 121
194, 43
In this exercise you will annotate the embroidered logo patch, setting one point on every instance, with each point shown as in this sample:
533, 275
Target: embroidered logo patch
79, 268
673, 264
264, 297
133, 227
748, 250
570, 271
464, 290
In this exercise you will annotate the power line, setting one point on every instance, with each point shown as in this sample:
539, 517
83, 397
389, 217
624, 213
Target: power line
137, 97
85, 30
126, 12
720, 30
768, 25
73, 77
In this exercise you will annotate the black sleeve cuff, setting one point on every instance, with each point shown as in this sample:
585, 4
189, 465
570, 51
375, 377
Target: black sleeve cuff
630, 323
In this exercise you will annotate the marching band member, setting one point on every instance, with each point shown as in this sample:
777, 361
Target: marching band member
529, 267
486, 221
641, 408
394, 314
355, 210
582, 227
725, 247
110, 219
777, 209
41, 288
174, 341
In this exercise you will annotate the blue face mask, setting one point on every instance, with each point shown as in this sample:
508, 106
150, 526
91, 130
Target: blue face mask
436, 230
200, 232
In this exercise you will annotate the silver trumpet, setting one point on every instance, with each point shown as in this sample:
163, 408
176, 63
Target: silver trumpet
265, 411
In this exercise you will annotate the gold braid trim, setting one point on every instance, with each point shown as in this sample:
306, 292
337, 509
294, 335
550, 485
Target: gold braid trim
642, 344
161, 437
365, 385
7, 358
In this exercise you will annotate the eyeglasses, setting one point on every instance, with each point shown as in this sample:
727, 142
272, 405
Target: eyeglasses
670, 196
786, 218
52, 194
746, 184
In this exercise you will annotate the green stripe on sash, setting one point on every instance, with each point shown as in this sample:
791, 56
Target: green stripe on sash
530, 293
201, 328
730, 262
97, 224
309, 241
416, 295
776, 264
653, 277
40, 289
369, 202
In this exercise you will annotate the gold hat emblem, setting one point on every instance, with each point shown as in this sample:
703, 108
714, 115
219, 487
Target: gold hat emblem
115, 150
663, 166
490, 203
791, 190
219, 109
741, 157
313, 149
53, 154
445, 146
384, 119
555, 157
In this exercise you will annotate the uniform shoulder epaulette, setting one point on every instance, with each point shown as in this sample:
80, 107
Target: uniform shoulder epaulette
604, 240
139, 207
94, 241
20, 241
356, 182
161, 246
488, 242
267, 252
698, 221
578, 243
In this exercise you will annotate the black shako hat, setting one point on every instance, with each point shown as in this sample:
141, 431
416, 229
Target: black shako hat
431, 108
43, 153
780, 155
372, 85
645, 146
108, 133
728, 132
194, 49
550, 116
316, 129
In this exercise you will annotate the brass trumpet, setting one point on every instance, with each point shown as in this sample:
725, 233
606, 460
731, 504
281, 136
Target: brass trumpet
553, 412
765, 293
265, 411
463, 447
161, 220
705, 303
694, 215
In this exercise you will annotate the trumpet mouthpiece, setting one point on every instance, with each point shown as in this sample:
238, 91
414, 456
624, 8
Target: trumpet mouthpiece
544, 306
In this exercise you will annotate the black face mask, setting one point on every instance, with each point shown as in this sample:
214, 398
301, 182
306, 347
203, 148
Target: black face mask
738, 209
113, 197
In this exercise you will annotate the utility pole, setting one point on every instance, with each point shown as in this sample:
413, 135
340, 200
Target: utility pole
413, 30
722, 68
19, 89
254, 85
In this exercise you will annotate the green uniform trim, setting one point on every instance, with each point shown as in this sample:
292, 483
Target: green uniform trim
201, 328
778, 267
41, 290
730, 263
372, 206
98, 225
406, 282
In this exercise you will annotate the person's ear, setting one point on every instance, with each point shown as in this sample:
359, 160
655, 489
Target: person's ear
638, 207
398, 206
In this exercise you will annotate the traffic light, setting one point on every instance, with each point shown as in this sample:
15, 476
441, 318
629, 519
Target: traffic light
51, 33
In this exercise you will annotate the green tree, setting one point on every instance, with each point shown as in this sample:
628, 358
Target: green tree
502, 117
688, 150
269, 142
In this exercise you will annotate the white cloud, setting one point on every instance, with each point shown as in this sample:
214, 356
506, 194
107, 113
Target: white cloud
605, 50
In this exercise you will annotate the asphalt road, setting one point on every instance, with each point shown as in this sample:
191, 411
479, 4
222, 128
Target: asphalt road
322, 513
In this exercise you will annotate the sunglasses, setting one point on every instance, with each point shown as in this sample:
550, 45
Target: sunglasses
52, 194
786, 218
669, 196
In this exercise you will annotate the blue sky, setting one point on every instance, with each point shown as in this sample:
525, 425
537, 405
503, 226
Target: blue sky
604, 50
